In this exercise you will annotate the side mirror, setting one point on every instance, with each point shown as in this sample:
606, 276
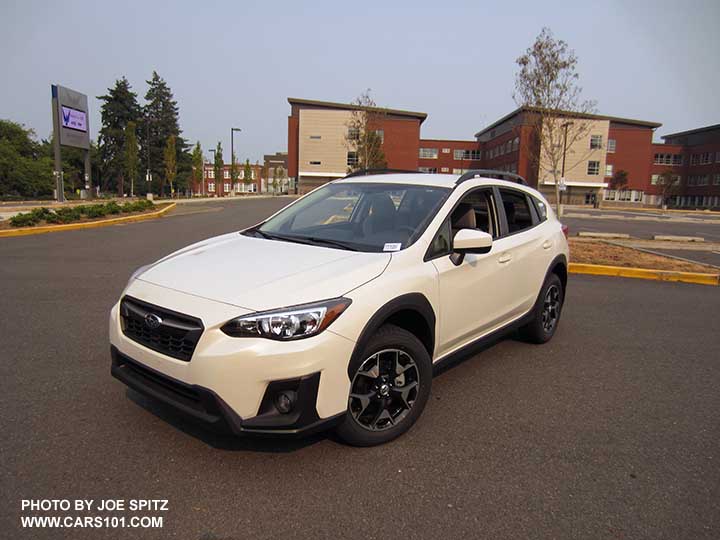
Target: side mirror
472, 241
469, 241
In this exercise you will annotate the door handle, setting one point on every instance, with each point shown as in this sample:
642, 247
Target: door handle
504, 258
547, 244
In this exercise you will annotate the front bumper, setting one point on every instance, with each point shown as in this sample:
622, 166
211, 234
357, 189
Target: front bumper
206, 406
229, 382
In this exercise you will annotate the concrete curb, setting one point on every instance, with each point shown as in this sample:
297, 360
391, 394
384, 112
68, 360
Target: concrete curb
644, 273
26, 231
673, 238
586, 234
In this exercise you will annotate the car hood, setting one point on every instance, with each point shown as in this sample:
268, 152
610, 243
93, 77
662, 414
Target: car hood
259, 274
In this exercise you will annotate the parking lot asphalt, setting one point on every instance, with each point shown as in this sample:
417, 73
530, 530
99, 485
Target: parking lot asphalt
609, 431
643, 224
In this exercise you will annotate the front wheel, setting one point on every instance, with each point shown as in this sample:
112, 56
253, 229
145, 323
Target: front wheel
390, 385
546, 312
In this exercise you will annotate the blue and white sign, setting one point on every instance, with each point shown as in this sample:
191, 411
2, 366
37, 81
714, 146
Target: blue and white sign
70, 117
73, 119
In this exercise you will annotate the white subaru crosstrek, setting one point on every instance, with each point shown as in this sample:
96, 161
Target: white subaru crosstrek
333, 311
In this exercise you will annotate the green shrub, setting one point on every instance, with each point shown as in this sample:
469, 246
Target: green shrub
112, 208
96, 211
24, 220
68, 214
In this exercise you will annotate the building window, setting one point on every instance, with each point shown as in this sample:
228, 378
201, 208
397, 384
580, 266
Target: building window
315, 163
706, 158
226, 187
717, 157
432, 170
516, 144
211, 186
593, 168
445, 169
460, 171
608, 170
595, 142
611, 146
211, 173
226, 174
315, 137
352, 159
716, 180
353, 133
445, 150
475, 155
428, 153
458, 154
380, 134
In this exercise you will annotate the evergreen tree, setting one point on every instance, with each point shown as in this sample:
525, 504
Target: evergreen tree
247, 173
131, 156
160, 121
197, 166
119, 107
170, 157
218, 167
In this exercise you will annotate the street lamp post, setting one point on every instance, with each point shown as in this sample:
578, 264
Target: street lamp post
232, 150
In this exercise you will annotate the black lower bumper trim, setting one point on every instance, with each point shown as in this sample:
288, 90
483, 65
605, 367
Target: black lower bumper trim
205, 405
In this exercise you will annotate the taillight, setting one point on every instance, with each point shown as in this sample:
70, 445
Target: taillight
565, 230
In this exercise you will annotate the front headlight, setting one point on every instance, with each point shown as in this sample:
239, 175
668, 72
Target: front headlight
295, 322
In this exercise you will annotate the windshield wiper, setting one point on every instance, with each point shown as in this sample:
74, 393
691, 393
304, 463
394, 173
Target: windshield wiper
308, 240
335, 243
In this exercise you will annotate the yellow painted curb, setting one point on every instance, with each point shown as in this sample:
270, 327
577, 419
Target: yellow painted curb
25, 231
644, 273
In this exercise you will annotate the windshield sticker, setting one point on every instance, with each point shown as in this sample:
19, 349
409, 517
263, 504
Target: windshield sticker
393, 246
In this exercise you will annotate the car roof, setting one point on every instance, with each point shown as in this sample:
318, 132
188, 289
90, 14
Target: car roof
428, 179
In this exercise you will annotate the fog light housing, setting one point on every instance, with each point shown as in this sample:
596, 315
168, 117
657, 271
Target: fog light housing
285, 401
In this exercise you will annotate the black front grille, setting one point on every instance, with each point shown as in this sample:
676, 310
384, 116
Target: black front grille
176, 335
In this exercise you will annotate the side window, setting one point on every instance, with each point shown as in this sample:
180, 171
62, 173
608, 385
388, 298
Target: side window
541, 209
441, 243
476, 211
517, 210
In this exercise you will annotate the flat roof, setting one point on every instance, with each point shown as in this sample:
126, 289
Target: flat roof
526, 108
692, 131
351, 107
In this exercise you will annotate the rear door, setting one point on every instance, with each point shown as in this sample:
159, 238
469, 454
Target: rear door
520, 250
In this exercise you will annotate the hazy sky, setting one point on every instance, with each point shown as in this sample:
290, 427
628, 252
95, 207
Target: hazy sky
235, 63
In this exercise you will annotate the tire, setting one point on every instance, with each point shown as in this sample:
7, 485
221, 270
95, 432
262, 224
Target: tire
547, 310
389, 387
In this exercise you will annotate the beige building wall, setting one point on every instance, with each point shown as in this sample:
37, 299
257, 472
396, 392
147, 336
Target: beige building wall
322, 138
579, 154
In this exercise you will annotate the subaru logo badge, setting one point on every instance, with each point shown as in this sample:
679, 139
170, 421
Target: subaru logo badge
152, 321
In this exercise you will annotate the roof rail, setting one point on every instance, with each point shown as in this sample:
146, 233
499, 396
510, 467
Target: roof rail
369, 172
490, 173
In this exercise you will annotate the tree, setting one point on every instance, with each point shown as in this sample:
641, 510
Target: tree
119, 108
280, 176
198, 166
159, 122
234, 173
247, 173
667, 185
170, 158
25, 166
218, 165
364, 138
619, 180
131, 156
547, 84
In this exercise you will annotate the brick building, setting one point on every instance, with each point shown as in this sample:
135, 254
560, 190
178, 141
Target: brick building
318, 152
317, 140
223, 187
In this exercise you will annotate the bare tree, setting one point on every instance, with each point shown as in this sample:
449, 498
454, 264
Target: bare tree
619, 180
364, 136
667, 185
547, 84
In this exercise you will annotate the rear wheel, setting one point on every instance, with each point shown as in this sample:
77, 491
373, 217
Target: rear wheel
547, 312
389, 387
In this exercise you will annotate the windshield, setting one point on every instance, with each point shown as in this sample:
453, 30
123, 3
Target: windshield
357, 216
